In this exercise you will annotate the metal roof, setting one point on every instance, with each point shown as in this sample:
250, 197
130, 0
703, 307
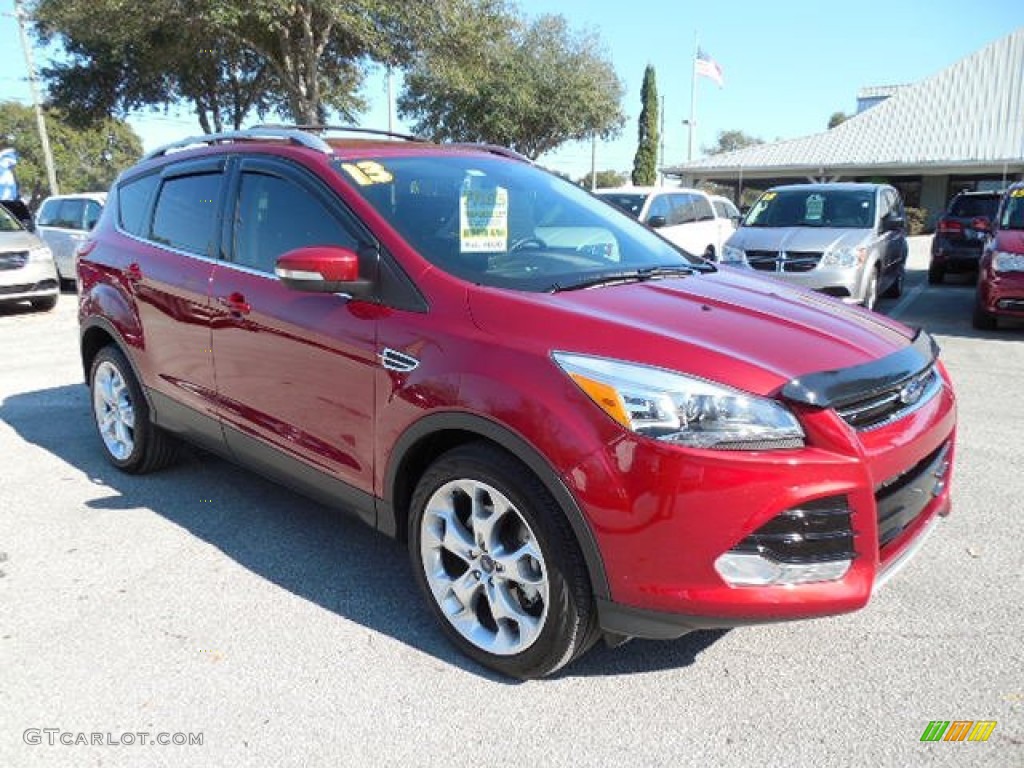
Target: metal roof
969, 114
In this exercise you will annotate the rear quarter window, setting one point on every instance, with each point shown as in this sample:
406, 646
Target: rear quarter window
134, 198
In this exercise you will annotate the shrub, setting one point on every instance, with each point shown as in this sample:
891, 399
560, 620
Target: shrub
917, 221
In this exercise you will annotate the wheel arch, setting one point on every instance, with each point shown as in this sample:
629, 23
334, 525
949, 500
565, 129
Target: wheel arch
433, 435
97, 333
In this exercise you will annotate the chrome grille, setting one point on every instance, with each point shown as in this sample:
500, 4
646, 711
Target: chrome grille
893, 404
783, 261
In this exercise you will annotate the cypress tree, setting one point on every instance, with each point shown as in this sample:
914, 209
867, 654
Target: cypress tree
645, 163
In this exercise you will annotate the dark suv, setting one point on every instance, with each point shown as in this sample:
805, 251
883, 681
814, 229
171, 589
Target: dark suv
580, 429
960, 234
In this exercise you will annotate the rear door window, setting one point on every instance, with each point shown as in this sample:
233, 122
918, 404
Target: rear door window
186, 213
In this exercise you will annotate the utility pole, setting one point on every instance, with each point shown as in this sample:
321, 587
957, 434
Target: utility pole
593, 162
44, 139
391, 100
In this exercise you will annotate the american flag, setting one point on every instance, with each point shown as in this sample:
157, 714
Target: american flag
708, 67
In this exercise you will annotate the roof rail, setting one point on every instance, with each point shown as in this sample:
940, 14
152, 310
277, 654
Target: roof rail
494, 149
250, 134
317, 128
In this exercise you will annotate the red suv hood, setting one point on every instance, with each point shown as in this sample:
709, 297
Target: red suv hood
746, 331
1010, 240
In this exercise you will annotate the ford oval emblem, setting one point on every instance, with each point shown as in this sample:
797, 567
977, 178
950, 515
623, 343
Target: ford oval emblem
912, 392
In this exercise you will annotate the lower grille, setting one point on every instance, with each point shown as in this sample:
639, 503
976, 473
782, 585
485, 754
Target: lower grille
783, 261
1014, 305
13, 260
902, 499
816, 531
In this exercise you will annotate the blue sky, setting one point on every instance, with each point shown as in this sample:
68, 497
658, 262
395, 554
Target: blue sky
788, 64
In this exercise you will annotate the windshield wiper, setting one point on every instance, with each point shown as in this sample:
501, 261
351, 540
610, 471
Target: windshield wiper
631, 276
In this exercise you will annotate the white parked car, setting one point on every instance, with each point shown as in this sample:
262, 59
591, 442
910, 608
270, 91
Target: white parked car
64, 222
27, 272
689, 218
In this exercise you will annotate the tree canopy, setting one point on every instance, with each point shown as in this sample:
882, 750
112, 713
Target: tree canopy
530, 86
86, 160
729, 141
645, 163
837, 118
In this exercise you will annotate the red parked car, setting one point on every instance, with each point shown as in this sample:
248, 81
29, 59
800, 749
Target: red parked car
1001, 275
580, 429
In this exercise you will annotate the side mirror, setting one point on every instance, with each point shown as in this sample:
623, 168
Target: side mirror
656, 222
322, 269
893, 223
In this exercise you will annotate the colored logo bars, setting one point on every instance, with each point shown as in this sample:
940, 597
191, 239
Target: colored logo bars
958, 730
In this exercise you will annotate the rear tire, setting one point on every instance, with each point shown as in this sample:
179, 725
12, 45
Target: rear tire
130, 440
499, 565
936, 275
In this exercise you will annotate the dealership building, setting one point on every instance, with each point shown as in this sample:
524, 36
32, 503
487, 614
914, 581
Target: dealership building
962, 128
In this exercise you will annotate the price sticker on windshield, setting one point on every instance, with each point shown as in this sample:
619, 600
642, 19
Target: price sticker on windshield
815, 207
367, 172
483, 220
1017, 193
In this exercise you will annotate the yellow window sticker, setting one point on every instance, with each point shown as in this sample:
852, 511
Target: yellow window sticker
367, 172
1017, 193
769, 196
483, 220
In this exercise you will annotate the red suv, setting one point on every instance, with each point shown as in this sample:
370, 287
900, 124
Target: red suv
1000, 291
580, 429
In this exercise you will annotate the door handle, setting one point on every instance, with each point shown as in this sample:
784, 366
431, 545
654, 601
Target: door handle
235, 304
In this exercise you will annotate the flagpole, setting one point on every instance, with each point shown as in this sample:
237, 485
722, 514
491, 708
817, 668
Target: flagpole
692, 122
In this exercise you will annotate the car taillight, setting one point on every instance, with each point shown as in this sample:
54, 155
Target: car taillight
950, 227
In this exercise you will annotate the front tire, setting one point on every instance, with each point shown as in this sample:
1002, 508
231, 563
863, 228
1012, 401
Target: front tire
497, 560
982, 320
130, 440
895, 290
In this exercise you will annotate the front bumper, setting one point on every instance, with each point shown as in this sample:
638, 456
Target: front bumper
34, 280
845, 283
663, 515
1002, 293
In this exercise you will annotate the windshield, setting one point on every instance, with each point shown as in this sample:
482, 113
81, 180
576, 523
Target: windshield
630, 202
507, 224
814, 207
1013, 211
7, 222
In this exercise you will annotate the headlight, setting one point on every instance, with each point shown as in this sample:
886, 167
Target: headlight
681, 409
733, 255
844, 257
40, 254
1002, 261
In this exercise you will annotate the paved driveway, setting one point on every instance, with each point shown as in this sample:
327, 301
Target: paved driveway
205, 600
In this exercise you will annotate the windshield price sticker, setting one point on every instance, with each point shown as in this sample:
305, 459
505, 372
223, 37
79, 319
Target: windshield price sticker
1017, 193
483, 220
815, 207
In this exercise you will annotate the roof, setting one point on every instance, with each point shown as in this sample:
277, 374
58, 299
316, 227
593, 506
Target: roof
99, 197
969, 114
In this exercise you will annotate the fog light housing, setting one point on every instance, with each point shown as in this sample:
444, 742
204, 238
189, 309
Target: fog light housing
805, 544
741, 569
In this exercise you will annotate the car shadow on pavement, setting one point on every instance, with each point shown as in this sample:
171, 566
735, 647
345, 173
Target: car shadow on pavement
315, 552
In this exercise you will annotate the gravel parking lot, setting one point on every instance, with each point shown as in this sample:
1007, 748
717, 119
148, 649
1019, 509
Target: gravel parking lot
205, 600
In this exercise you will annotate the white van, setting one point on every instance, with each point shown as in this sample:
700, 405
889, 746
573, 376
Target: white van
63, 223
688, 217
